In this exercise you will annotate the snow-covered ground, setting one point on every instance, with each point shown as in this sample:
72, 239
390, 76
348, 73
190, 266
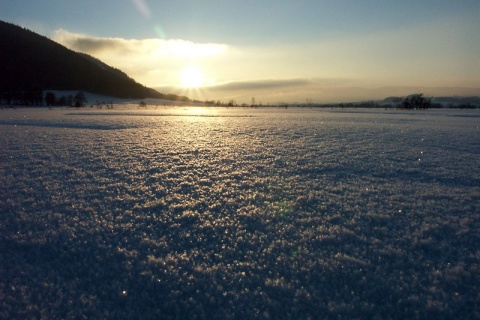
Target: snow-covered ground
215, 213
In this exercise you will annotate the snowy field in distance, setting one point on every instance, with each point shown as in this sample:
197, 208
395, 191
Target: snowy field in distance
216, 213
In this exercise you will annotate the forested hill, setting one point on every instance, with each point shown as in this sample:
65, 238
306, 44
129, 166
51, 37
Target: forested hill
29, 61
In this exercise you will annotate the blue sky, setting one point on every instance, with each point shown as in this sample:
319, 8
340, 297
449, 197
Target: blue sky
277, 51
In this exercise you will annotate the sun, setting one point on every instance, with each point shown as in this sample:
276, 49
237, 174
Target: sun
192, 77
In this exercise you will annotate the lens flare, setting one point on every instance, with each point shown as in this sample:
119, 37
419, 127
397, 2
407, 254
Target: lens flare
142, 7
160, 32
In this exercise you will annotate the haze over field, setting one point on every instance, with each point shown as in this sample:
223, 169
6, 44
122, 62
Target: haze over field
289, 51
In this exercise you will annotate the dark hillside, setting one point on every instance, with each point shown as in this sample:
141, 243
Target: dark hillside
29, 61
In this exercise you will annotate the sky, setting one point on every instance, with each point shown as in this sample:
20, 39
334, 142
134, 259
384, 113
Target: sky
272, 51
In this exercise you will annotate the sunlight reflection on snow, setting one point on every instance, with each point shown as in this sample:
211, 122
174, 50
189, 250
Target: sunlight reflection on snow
281, 212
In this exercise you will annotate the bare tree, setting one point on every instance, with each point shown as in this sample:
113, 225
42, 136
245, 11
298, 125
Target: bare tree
79, 99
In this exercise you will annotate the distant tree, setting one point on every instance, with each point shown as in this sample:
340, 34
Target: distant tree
28, 97
50, 98
397, 102
62, 101
7, 97
142, 104
79, 99
416, 101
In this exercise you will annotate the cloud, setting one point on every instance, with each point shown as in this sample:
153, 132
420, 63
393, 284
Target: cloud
173, 48
90, 45
149, 61
261, 84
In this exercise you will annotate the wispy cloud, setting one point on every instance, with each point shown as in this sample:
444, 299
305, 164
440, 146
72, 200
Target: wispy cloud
262, 84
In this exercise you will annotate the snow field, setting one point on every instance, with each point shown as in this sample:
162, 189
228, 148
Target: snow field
241, 213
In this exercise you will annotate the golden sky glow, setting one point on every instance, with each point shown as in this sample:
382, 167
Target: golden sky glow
278, 52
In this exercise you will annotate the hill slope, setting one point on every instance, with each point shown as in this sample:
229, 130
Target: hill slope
29, 61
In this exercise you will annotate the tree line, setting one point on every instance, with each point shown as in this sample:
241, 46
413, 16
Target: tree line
37, 97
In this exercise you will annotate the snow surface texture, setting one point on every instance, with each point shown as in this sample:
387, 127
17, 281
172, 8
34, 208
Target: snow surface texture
239, 214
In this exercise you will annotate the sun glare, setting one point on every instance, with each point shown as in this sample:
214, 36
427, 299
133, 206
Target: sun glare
192, 77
